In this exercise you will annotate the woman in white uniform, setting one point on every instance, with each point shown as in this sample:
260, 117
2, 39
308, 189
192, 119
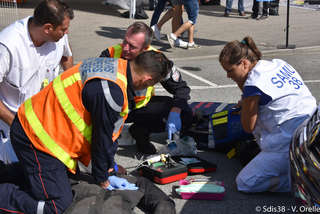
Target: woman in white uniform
274, 103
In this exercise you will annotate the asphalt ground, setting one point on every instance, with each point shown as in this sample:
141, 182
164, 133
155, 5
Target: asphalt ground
97, 27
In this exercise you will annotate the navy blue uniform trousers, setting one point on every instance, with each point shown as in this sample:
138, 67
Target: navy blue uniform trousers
45, 179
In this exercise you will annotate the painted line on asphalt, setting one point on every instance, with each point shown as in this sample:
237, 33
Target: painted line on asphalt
203, 87
214, 56
196, 77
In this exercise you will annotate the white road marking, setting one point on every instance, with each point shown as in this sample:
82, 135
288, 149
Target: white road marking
203, 87
215, 56
197, 77
212, 85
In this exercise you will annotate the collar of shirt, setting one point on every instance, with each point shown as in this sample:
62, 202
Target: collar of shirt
28, 20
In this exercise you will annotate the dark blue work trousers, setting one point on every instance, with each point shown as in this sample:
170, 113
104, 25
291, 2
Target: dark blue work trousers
45, 177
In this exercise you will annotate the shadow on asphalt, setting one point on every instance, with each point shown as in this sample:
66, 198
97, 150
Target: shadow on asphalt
112, 32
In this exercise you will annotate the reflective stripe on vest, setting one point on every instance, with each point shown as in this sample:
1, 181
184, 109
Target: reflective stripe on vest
107, 68
117, 51
41, 133
141, 101
58, 87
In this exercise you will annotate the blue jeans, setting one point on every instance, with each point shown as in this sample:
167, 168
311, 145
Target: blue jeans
157, 12
45, 176
192, 9
159, 9
229, 6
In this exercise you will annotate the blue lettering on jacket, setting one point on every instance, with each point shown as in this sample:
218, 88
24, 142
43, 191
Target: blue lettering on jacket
286, 75
97, 65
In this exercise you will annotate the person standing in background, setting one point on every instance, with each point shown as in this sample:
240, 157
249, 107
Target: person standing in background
229, 8
175, 13
260, 7
192, 9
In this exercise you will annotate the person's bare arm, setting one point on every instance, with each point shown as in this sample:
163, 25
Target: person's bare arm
5, 114
249, 112
66, 62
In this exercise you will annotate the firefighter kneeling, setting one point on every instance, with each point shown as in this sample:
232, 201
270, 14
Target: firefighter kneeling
77, 117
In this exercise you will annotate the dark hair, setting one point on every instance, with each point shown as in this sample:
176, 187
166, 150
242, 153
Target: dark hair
51, 11
140, 27
154, 63
234, 51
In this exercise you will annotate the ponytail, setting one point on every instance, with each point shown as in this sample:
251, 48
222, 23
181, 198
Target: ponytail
234, 51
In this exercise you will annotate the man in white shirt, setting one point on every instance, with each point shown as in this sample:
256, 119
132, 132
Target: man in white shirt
31, 52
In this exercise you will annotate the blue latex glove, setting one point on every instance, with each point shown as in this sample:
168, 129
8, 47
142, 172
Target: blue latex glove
110, 187
173, 123
120, 183
116, 168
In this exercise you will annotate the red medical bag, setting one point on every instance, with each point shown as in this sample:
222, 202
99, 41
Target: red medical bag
195, 165
162, 173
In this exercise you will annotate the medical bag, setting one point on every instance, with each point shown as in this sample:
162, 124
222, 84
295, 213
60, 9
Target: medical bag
201, 189
216, 125
195, 165
163, 172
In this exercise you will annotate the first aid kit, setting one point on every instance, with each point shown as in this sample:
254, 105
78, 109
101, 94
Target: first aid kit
195, 165
201, 189
162, 169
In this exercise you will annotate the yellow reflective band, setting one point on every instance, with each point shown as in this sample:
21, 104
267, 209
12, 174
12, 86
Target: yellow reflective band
231, 153
72, 79
219, 114
147, 98
68, 108
124, 112
117, 51
44, 137
45, 83
141, 104
122, 78
150, 48
219, 121
150, 92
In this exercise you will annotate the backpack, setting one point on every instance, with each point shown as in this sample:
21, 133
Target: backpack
216, 125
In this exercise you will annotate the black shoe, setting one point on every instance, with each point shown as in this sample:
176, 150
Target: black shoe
262, 17
141, 135
226, 14
254, 16
273, 12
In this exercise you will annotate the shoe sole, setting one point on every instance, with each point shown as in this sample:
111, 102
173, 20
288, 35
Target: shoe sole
171, 41
190, 48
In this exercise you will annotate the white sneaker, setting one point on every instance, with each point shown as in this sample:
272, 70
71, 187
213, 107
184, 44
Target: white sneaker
156, 32
180, 43
171, 40
193, 45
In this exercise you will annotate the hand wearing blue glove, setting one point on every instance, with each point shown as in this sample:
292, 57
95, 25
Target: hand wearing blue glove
110, 187
120, 183
173, 123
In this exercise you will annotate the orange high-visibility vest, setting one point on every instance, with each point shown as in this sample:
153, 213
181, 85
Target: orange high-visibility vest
142, 96
55, 120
